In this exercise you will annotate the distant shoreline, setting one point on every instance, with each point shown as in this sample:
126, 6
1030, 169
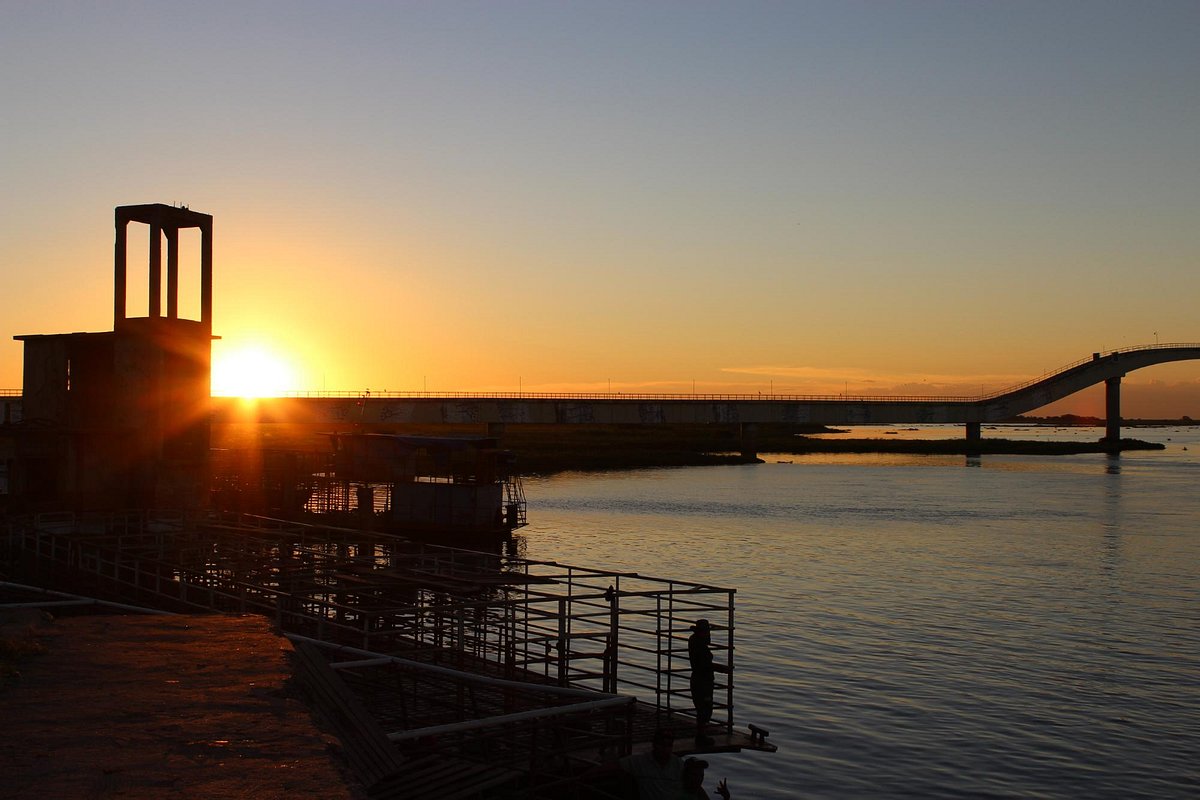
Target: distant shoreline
533, 462
1076, 421
610, 448
550, 449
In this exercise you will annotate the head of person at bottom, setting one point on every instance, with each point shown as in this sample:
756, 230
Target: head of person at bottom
663, 745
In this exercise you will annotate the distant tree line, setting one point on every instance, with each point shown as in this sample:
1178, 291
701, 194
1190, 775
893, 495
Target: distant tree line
1065, 420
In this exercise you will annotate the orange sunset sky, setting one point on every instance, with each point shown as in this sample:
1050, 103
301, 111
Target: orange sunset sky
810, 197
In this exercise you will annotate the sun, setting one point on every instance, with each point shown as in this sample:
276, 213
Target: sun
252, 371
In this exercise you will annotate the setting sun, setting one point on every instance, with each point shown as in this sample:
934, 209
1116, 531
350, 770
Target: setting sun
251, 371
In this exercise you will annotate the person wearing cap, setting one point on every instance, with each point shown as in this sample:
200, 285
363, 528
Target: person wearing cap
703, 678
693, 781
659, 773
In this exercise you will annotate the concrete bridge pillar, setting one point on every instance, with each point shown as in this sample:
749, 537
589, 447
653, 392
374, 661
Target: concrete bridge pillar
1112, 409
974, 431
748, 433
495, 429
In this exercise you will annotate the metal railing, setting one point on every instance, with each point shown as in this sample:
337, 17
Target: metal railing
432, 710
492, 613
733, 397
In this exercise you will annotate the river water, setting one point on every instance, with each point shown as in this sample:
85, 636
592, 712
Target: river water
931, 626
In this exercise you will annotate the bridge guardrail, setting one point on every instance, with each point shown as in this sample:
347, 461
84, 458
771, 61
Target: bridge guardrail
367, 394
601, 396
1088, 360
731, 397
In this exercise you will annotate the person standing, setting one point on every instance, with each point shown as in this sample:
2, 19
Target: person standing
703, 677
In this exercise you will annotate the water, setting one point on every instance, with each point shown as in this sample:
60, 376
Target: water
937, 627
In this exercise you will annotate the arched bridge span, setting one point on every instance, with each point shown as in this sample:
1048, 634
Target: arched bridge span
1108, 368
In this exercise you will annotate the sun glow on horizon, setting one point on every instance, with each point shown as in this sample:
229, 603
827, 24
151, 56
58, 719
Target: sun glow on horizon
252, 371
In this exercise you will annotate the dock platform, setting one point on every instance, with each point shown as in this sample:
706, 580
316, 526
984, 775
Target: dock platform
525, 667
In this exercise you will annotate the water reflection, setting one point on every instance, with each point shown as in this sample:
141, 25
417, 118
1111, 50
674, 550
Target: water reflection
875, 597
1112, 520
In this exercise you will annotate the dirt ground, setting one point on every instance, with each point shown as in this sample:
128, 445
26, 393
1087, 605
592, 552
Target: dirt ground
156, 707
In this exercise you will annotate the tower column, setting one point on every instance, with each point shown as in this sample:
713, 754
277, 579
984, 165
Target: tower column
155, 304
206, 276
172, 272
119, 279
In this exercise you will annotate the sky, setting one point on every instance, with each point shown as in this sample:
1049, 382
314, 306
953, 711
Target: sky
790, 197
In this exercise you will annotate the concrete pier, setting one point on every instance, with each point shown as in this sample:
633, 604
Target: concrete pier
748, 433
1112, 409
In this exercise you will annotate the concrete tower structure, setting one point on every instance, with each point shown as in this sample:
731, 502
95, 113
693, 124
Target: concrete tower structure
120, 419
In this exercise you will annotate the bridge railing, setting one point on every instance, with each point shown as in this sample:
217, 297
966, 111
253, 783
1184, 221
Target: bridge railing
1088, 360
734, 397
370, 394
615, 396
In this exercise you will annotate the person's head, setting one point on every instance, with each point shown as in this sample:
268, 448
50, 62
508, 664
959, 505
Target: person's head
702, 627
693, 773
663, 745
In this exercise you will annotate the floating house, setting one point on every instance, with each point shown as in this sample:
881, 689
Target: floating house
449, 489
419, 485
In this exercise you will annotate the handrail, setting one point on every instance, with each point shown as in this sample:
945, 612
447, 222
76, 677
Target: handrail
502, 720
457, 674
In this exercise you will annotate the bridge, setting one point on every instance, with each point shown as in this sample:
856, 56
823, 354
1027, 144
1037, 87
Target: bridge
497, 409
747, 410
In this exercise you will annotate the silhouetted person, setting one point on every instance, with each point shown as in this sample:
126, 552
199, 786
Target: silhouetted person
703, 677
693, 781
659, 773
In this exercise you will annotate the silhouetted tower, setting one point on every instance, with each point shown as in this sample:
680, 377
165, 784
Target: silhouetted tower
121, 419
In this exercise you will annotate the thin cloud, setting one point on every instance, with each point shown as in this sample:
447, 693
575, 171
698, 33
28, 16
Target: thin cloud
859, 376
